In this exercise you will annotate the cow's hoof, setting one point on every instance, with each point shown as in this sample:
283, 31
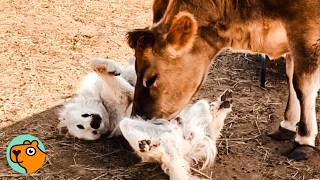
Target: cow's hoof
282, 134
302, 152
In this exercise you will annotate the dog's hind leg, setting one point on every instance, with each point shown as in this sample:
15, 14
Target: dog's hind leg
220, 109
109, 72
129, 73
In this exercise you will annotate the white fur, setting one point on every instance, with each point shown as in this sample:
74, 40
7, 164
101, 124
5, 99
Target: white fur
104, 94
309, 89
128, 72
180, 143
292, 113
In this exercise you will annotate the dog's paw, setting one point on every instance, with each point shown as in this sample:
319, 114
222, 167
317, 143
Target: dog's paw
103, 66
223, 103
147, 145
226, 99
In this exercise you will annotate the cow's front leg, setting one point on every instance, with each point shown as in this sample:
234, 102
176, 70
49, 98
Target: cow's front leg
288, 126
306, 81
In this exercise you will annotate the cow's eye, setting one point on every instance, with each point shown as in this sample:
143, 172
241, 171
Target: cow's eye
80, 126
151, 81
30, 151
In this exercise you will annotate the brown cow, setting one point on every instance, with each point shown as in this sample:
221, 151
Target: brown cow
174, 54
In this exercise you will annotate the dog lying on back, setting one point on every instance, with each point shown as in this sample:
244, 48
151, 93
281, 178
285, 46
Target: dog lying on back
104, 98
179, 143
103, 105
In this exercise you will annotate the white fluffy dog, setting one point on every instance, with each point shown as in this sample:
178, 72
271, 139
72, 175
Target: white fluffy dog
179, 143
104, 98
103, 105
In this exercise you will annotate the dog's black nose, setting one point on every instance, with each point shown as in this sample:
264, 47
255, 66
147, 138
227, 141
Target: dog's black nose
96, 121
16, 152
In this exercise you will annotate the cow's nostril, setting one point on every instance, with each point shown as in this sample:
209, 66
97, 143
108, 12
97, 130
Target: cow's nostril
96, 121
16, 152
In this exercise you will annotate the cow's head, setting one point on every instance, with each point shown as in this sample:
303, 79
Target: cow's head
170, 66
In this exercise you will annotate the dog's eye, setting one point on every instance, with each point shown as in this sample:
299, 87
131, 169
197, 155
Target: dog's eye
85, 115
80, 126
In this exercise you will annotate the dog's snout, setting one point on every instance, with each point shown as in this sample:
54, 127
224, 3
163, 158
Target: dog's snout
16, 152
96, 121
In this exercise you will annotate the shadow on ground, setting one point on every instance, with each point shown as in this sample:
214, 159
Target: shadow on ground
69, 158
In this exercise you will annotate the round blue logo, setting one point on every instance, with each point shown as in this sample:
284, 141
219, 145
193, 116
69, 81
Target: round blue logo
26, 154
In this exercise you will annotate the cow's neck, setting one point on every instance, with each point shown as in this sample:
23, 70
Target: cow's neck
263, 36
240, 25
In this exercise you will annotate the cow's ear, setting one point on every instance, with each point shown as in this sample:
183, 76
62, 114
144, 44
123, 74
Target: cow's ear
182, 33
140, 38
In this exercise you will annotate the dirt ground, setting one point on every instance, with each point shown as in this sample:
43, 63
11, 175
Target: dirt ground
44, 52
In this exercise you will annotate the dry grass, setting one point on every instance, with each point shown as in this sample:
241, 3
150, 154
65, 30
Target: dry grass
45, 46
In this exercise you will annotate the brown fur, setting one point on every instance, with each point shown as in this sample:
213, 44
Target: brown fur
182, 22
271, 26
159, 8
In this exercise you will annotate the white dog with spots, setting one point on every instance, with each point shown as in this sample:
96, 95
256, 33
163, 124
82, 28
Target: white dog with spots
103, 104
104, 98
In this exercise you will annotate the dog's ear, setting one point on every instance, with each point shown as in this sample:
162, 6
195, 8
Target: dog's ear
62, 124
62, 121
62, 127
62, 113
